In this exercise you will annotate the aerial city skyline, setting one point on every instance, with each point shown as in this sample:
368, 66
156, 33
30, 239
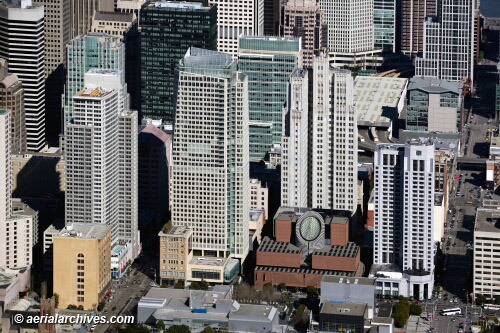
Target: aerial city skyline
250, 165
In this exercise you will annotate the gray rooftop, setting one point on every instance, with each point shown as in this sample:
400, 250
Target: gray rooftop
432, 85
269, 245
345, 309
179, 5
348, 280
114, 16
84, 230
252, 312
350, 251
488, 220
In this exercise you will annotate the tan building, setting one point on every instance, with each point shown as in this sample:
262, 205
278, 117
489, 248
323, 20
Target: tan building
12, 98
444, 161
57, 32
175, 252
115, 24
82, 264
259, 194
83, 11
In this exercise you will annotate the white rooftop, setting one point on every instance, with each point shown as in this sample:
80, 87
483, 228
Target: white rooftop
377, 99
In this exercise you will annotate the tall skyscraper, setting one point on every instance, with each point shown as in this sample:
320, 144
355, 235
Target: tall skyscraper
105, 191
12, 98
22, 28
294, 166
350, 28
413, 14
57, 36
235, 18
210, 166
168, 29
268, 63
304, 19
272, 10
57, 32
333, 140
16, 232
449, 42
83, 11
93, 50
384, 24
404, 212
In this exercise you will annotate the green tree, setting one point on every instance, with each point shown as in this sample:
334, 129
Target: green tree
179, 284
415, 310
301, 316
178, 329
401, 312
311, 291
282, 286
480, 299
160, 325
56, 299
194, 286
208, 329
100, 306
203, 285
164, 285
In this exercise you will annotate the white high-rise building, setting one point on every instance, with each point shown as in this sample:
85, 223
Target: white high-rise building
333, 145
404, 213
449, 43
236, 18
350, 32
101, 158
210, 160
16, 232
294, 168
22, 29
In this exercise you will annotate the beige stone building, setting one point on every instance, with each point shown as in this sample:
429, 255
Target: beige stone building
82, 264
175, 253
115, 24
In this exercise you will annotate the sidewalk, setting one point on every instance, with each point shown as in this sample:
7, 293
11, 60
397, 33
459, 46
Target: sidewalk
418, 324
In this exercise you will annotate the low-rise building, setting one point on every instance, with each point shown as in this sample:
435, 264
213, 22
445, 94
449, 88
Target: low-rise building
434, 105
486, 248
390, 281
342, 317
379, 100
310, 243
175, 253
343, 289
82, 264
198, 309
13, 282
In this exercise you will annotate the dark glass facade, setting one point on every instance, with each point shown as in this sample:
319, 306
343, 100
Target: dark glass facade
168, 29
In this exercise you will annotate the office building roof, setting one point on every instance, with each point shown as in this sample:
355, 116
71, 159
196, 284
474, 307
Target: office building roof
114, 16
304, 270
84, 230
269, 43
434, 86
378, 99
348, 280
345, 309
488, 218
93, 92
175, 5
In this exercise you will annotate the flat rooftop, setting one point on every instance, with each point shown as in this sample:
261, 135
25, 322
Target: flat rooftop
345, 280
377, 99
93, 92
84, 230
208, 261
114, 16
349, 251
345, 309
254, 312
488, 220
304, 271
269, 245
179, 230
180, 5
432, 85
